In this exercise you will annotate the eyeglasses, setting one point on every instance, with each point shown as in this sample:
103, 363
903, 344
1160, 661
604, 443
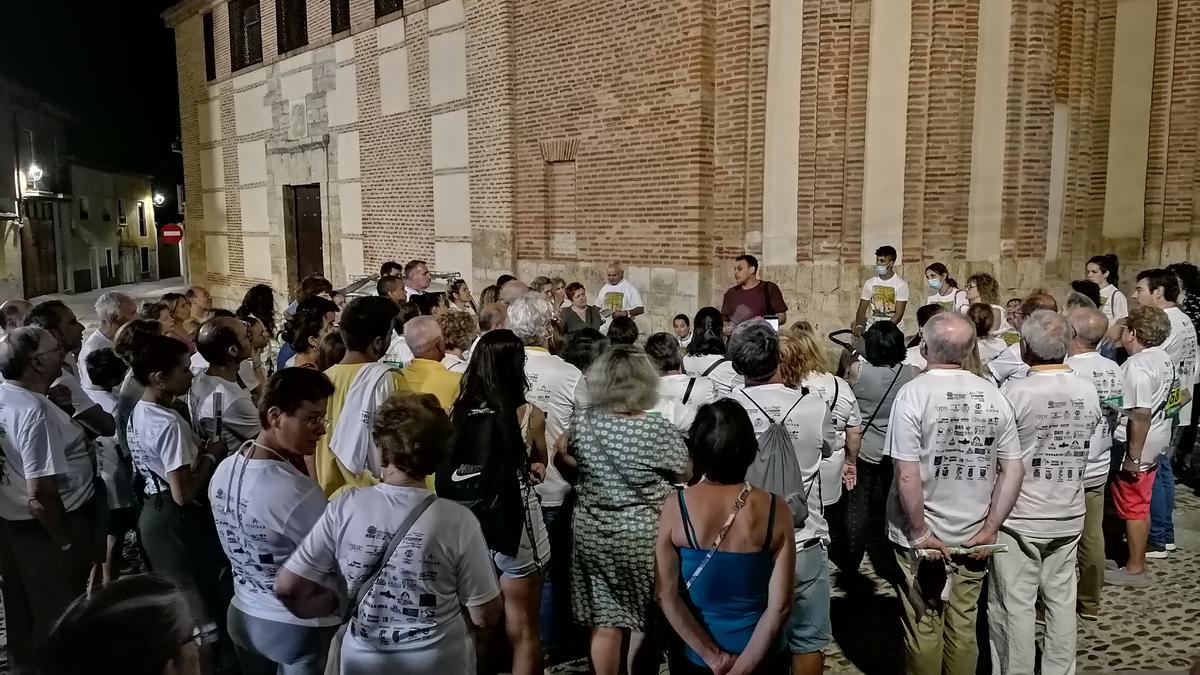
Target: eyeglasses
970, 286
316, 422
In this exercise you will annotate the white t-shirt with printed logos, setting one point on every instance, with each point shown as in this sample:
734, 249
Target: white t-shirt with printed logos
398, 354
40, 440
954, 302
1057, 413
1105, 375
117, 481
263, 509
239, 415
957, 426
671, 390
161, 442
414, 610
883, 295
619, 296
94, 342
1147, 378
553, 385
249, 379
723, 377
1008, 364
809, 425
843, 412
1113, 303
1181, 346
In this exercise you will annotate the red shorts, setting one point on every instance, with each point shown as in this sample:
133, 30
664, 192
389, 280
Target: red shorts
1132, 497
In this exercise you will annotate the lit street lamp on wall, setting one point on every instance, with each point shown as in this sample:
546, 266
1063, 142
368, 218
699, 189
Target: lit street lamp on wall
159, 199
35, 173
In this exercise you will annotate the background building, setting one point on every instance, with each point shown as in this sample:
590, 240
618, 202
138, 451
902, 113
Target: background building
114, 235
549, 136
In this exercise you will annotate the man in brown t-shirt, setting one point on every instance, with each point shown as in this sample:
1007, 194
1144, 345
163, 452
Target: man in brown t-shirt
751, 298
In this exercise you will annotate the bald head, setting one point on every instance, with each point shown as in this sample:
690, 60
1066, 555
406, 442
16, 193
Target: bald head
949, 338
1090, 325
14, 312
223, 341
492, 316
424, 338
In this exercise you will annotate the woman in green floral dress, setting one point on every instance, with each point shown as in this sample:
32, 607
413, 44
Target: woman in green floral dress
626, 461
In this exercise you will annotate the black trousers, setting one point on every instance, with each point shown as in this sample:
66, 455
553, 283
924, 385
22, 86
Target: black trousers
857, 524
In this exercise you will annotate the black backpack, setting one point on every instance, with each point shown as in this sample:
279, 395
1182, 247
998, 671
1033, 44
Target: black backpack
483, 473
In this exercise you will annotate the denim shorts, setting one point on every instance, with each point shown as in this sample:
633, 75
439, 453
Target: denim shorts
533, 556
809, 629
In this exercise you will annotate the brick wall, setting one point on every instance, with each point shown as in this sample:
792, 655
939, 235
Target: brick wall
636, 131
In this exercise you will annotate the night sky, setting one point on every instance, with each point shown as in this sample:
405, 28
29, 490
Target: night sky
110, 63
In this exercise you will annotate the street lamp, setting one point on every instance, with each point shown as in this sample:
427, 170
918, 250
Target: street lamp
35, 173
159, 199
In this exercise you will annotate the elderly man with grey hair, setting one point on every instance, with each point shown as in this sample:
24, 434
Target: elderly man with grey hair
114, 309
1090, 326
1057, 413
554, 384
754, 350
958, 470
47, 504
425, 374
512, 290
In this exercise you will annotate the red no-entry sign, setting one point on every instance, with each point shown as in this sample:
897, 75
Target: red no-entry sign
172, 233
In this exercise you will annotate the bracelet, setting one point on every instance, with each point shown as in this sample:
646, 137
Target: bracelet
922, 539
1131, 458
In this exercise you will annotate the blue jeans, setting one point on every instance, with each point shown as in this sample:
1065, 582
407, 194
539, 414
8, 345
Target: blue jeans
1162, 504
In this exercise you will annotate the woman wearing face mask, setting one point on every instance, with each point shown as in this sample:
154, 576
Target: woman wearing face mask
264, 507
1103, 269
944, 290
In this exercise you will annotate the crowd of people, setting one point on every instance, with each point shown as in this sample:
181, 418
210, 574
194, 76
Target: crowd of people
413, 481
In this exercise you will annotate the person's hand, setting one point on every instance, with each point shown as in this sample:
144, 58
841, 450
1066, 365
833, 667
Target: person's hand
1130, 469
721, 664
857, 331
620, 312
986, 535
849, 475
936, 548
537, 472
60, 396
215, 447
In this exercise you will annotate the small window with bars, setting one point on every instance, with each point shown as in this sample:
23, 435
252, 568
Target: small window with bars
291, 24
385, 7
245, 33
339, 16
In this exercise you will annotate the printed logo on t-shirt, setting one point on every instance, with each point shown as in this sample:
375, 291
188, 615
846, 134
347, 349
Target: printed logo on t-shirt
967, 426
614, 301
1064, 437
883, 302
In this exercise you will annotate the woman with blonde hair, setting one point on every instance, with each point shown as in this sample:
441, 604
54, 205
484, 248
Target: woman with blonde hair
625, 462
803, 364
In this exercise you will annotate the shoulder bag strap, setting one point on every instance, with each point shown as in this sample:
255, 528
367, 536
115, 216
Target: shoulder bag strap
770, 421
687, 394
899, 367
714, 366
737, 506
401, 532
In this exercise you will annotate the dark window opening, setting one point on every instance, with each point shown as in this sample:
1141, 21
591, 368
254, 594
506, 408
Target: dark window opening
145, 260
339, 16
291, 24
245, 33
210, 49
141, 219
108, 262
121, 212
385, 7
83, 208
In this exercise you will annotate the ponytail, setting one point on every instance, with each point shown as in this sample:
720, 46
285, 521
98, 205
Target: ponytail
1109, 264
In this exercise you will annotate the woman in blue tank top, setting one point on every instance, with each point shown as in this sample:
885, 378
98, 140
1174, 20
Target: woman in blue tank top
724, 557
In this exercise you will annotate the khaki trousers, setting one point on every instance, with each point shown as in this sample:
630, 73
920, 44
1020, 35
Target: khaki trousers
1091, 552
1032, 566
939, 637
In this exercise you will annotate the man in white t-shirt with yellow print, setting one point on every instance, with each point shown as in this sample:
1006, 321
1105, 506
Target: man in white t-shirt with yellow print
884, 296
619, 297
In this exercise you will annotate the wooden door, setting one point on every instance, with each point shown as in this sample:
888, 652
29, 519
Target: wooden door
38, 261
307, 234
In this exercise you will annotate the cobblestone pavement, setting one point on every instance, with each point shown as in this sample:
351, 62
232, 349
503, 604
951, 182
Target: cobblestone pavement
1146, 630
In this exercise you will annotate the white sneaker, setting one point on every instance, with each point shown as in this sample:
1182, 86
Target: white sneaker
1171, 547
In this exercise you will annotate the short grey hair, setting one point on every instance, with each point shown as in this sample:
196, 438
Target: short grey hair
18, 349
1090, 325
949, 338
623, 380
529, 318
1076, 299
539, 284
421, 334
108, 305
512, 290
754, 349
1048, 335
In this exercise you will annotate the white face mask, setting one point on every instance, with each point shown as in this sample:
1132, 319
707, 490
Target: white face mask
880, 270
